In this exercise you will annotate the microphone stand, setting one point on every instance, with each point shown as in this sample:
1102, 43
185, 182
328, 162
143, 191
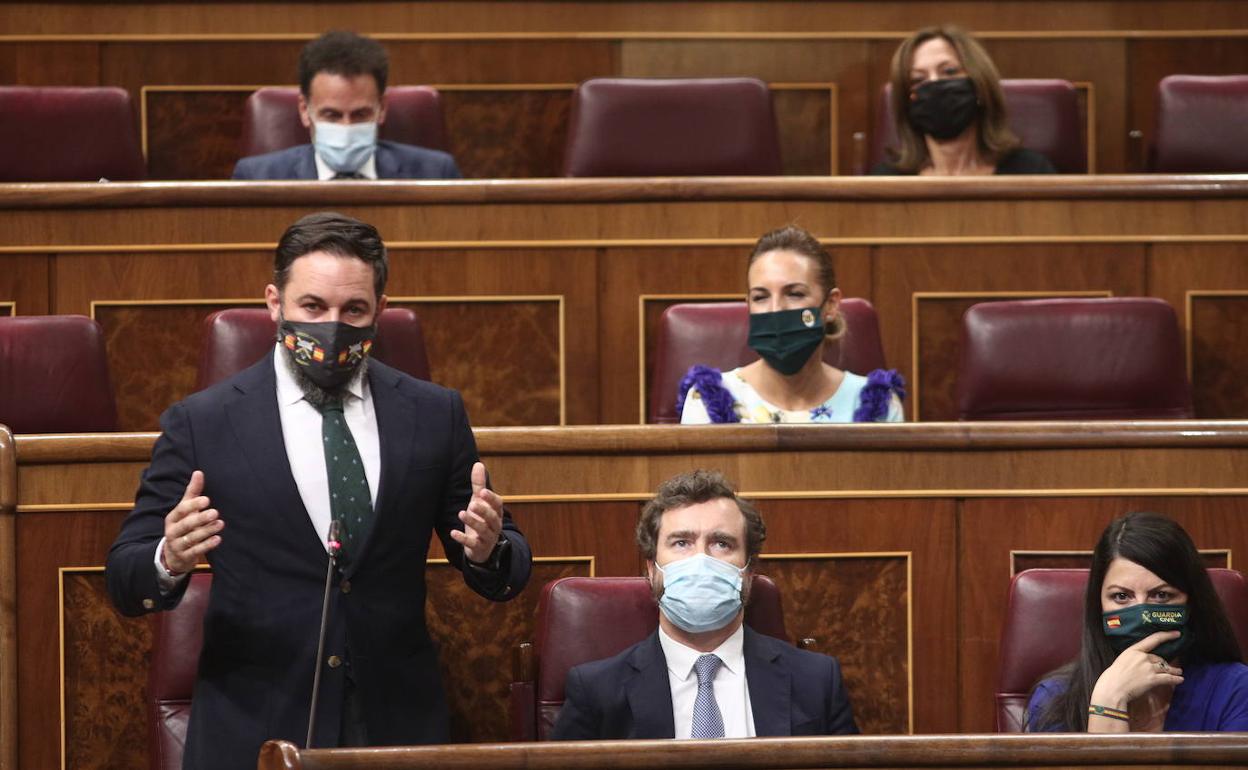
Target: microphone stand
333, 547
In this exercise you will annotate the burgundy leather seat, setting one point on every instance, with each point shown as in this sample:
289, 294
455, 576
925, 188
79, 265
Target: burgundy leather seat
235, 338
1200, 125
582, 619
58, 134
54, 375
177, 636
1072, 359
656, 127
413, 116
1043, 624
716, 334
1044, 113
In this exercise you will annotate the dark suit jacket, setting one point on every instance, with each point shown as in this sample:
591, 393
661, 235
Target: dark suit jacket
792, 692
260, 629
394, 161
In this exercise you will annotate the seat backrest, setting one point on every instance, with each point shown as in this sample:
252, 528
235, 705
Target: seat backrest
1052, 600
177, 636
582, 619
717, 334
59, 134
235, 338
1200, 125
271, 119
659, 127
1072, 359
1043, 113
54, 375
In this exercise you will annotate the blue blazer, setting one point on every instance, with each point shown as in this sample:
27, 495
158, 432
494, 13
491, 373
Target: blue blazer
394, 161
260, 629
792, 692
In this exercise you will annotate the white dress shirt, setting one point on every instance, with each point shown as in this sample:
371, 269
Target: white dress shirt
732, 691
301, 432
324, 173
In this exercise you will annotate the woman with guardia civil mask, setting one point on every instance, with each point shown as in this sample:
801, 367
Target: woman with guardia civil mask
1158, 651
793, 299
949, 112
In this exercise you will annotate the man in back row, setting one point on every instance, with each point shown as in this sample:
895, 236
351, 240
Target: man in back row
342, 85
703, 673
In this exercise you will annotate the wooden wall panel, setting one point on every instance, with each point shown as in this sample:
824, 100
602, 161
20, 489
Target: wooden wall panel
902, 272
857, 613
48, 541
989, 529
857, 608
192, 134
506, 134
153, 356
476, 639
104, 679
1024, 559
1203, 282
58, 63
310, 18
1218, 342
472, 348
24, 283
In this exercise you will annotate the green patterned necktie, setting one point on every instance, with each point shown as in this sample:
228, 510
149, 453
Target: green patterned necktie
349, 499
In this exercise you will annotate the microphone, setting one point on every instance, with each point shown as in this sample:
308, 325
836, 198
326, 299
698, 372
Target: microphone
333, 546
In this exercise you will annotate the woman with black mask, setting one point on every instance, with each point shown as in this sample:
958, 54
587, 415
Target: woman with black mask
793, 299
949, 111
1158, 651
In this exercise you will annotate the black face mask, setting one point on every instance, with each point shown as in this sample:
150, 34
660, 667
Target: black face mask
942, 109
786, 338
329, 353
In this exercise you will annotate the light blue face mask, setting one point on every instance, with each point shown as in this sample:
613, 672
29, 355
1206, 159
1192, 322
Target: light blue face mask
345, 147
700, 593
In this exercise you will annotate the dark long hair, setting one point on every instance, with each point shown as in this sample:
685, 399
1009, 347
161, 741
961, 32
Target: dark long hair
1162, 547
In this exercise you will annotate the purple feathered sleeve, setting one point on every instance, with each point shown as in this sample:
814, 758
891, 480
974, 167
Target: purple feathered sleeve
715, 397
877, 395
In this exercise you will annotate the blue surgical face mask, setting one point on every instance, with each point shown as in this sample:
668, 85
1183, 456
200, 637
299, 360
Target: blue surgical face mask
345, 147
700, 593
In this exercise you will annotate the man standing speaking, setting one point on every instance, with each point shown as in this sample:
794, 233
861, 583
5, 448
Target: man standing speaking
249, 474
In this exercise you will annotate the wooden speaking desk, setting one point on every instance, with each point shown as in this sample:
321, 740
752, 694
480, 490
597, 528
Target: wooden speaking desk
540, 298
892, 545
1015, 751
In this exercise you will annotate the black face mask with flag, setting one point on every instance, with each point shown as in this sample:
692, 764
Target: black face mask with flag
329, 353
1129, 625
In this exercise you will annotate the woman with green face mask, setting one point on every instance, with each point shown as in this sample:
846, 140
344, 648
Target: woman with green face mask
793, 299
1158, 653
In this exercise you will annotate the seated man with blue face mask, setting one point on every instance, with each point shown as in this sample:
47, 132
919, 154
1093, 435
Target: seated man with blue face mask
703, 673
342, 79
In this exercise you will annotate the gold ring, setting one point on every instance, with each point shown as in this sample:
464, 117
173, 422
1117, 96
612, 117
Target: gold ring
185, 543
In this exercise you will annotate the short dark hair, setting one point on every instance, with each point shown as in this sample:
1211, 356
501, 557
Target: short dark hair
795, 239
340, 52
335, 234
691, 488
1162, 547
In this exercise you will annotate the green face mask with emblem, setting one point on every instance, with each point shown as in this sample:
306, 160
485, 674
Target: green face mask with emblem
1129, 625
786, 338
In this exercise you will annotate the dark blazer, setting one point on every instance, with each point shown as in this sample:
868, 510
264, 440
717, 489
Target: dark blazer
792, 692
260, 628
394, 161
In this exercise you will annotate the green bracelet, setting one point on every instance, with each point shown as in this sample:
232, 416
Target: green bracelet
1106, 711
